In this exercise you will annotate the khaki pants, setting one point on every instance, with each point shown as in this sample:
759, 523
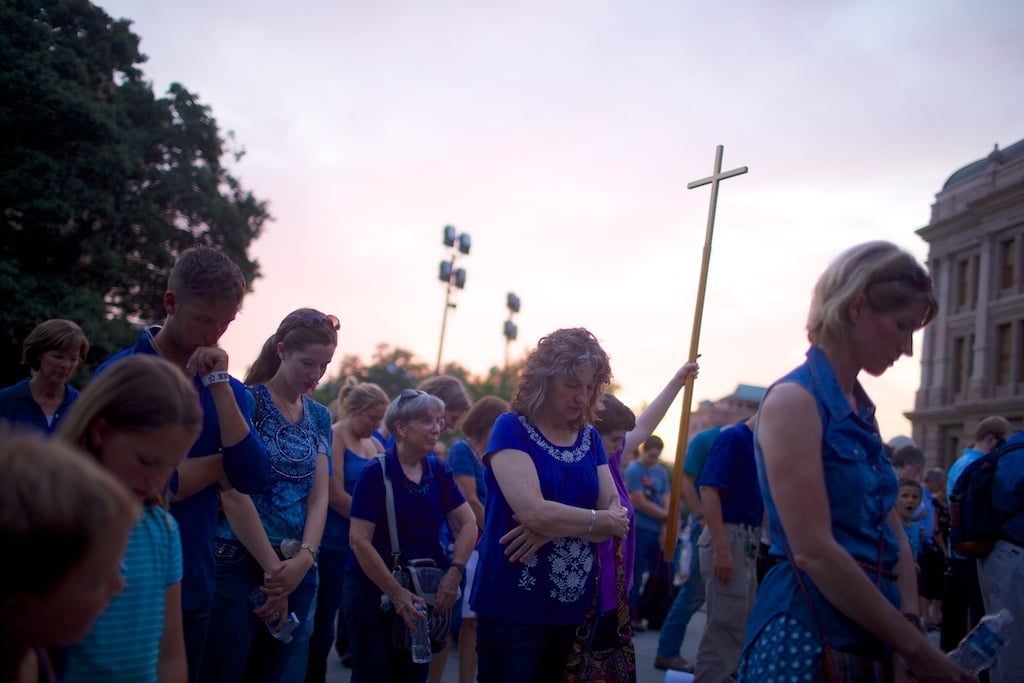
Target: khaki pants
728, 604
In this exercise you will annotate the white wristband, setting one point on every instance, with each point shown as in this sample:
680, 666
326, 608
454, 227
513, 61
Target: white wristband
216, 378
593, 518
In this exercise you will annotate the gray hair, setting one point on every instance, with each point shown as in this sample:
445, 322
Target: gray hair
409, 405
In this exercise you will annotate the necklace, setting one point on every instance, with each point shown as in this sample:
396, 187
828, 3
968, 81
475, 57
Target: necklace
287, 408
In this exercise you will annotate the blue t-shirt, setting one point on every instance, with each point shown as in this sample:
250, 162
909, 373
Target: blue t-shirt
913, 532
337, 527
653, 481
294, 450
124, 644
697, 453
245, 463
419, 511
732, 470
18, 406
465, 463
557, 584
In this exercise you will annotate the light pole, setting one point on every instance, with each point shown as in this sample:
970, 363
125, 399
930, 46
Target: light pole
451, 276
511, 332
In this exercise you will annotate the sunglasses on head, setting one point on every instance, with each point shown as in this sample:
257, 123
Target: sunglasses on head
409, 393
316, 319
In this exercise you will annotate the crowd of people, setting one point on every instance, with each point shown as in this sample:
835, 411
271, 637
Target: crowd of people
174, 524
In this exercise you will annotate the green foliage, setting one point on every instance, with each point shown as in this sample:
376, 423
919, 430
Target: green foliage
102, 184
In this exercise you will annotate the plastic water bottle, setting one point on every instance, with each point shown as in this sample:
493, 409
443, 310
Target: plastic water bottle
257, 599
978, 649
421, 638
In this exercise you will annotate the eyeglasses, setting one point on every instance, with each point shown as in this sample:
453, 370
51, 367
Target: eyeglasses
429, 422
316, 319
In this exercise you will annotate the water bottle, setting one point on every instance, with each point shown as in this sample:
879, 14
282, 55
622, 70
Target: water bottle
257, 599
421, 638
978, 649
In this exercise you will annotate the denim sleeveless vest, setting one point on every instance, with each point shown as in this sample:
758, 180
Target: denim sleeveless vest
862, 488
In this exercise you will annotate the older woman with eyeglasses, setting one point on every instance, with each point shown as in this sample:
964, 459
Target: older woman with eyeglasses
424, 492
550, 499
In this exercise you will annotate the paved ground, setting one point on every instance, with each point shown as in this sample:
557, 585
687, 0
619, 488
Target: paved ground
646, 644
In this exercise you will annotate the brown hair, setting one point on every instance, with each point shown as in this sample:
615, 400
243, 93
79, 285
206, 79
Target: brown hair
563, 353
614, 415
206, 273
996, 425
299, 329
447, 388
55, 334
480, 418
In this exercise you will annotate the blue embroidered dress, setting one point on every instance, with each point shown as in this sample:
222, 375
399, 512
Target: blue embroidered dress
555, 587
862, 488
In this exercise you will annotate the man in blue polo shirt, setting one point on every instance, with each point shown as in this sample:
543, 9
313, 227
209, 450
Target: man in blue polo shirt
733, 510
204, 293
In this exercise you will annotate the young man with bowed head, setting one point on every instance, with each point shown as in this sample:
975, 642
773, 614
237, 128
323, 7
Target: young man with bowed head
204, 293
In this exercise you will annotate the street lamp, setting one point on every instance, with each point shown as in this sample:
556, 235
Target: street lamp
449, 275
511, 331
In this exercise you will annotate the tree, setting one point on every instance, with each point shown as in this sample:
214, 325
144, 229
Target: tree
102, 184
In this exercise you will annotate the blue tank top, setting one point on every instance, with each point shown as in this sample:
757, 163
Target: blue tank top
862, 488
336, 529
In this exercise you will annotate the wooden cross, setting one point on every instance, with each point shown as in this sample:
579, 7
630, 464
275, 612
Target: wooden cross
684, 419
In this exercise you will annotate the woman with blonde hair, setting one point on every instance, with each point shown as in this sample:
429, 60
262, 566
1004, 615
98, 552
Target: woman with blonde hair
267, 544
361, 407
844, 590
139, 420
65, 520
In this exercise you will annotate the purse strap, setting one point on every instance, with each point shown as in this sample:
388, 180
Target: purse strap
389, 506
625, 632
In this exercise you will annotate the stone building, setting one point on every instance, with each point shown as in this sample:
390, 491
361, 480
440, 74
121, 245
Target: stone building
728, 410
972, 361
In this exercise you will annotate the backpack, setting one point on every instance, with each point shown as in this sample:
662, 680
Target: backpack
974, 522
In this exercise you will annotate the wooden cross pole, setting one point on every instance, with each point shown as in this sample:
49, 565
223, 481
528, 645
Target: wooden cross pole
684, 418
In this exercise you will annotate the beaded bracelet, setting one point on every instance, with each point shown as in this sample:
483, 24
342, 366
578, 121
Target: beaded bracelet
216, 377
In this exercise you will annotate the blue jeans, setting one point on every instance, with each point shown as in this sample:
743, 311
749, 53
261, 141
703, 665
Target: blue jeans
375, 659
688, 600
512, 651
239, 646
196, 623
648, 555
328, 599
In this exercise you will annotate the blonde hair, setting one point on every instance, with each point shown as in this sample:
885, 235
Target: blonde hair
135, 394
357, 397
56, 503
888, 277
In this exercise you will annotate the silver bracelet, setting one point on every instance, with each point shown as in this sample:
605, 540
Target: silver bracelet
593, 518
216, 377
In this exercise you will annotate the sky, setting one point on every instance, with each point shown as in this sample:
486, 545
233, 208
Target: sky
560, 135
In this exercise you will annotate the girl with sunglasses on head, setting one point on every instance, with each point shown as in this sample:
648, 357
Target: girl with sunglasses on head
267, 543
